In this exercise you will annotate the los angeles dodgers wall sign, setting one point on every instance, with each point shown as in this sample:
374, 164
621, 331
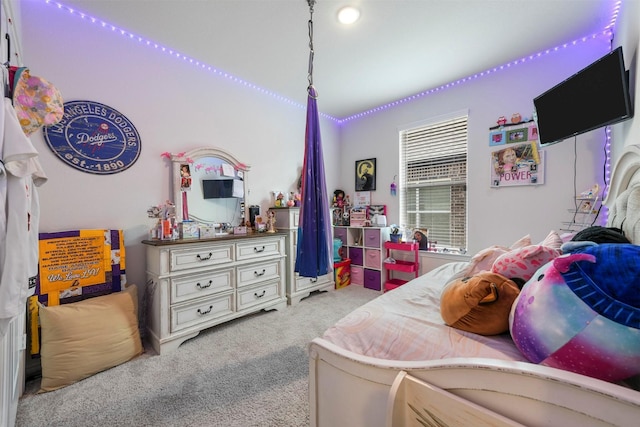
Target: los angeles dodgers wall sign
94, 138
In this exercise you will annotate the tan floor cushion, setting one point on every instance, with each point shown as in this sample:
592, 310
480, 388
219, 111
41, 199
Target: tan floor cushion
83, 338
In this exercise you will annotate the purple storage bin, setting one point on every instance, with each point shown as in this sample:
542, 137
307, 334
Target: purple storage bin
372, 279
356, 256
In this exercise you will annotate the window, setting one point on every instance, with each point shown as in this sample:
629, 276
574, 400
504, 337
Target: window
433, 180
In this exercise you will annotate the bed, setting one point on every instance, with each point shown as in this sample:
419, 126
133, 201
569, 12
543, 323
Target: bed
362, 374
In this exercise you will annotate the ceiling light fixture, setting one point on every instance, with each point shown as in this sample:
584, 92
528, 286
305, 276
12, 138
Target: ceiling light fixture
348, 15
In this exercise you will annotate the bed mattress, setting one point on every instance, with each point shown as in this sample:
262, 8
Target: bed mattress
405, 324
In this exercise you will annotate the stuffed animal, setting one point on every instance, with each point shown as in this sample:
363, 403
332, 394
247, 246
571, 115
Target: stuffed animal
524, 262
479, 304
581, 312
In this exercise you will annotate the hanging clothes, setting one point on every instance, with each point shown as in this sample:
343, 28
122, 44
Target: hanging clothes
20, 174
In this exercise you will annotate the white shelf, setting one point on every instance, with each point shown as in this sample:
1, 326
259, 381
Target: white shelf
583, 215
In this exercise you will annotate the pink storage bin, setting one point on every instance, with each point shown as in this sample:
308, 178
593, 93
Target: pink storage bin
357, 275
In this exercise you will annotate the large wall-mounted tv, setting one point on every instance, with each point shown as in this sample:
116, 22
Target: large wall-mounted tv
221, 188
595, 96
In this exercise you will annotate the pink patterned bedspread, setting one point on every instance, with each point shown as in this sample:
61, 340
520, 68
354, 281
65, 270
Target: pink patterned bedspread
405, 324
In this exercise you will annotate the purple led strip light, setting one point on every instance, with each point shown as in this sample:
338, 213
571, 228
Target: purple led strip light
220, 73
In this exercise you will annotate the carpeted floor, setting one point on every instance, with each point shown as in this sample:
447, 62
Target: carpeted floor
251, 371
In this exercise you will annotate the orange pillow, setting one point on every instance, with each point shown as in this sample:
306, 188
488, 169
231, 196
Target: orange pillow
480, 304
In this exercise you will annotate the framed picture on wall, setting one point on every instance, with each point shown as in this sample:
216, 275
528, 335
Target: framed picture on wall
366, 175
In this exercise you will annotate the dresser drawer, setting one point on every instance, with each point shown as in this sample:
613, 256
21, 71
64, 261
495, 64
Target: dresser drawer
303, 283
199, 285
257, 249
356, 256
372, 258
183, 259
340, 233
255, 295
372, 237
357, 275
254, 273
372, 279
203, 310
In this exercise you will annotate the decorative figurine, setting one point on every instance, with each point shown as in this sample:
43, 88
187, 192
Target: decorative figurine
338, 199
591, 193
271, 222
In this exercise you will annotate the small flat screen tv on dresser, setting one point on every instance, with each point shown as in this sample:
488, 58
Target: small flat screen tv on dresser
595, 96
221, 188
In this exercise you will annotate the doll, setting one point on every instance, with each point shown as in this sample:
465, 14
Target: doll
338, 199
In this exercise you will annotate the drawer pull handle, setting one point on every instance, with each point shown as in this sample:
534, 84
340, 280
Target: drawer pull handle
256, 250
260, 274
313, 280
204, 286
202, 313
206, 258
255, 294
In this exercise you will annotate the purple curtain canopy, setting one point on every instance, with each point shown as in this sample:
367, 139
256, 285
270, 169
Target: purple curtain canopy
314, 228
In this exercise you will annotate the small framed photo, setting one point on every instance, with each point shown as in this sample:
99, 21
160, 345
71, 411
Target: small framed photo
366, 175
498, 137
517, 135
185, 177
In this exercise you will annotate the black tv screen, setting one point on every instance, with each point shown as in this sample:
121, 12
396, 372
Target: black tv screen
217, 188
595, 96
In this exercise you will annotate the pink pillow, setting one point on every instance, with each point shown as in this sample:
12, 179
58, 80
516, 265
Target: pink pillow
483, 260
553, 240
522, 242
523, 263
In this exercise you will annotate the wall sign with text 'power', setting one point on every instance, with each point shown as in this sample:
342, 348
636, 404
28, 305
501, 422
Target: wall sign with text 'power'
94, 138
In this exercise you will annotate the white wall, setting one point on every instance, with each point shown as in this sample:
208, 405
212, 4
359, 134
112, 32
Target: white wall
495, 216
174, 106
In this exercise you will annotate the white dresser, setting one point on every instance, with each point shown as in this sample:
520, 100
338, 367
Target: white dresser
297, 287
195, 284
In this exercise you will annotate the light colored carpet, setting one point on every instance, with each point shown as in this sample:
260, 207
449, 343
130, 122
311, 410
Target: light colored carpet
251, 371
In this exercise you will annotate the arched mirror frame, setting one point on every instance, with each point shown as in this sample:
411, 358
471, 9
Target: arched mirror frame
191, 157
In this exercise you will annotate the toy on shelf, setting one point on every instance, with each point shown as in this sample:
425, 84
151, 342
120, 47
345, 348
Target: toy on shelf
338, 199
358, 217
591, 193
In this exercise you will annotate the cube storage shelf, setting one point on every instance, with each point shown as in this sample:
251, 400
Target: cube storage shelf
404, 266
364, 247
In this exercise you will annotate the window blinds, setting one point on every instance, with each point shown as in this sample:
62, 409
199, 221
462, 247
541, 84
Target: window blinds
433, 174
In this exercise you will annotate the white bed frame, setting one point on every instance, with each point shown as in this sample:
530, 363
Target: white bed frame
350, 390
